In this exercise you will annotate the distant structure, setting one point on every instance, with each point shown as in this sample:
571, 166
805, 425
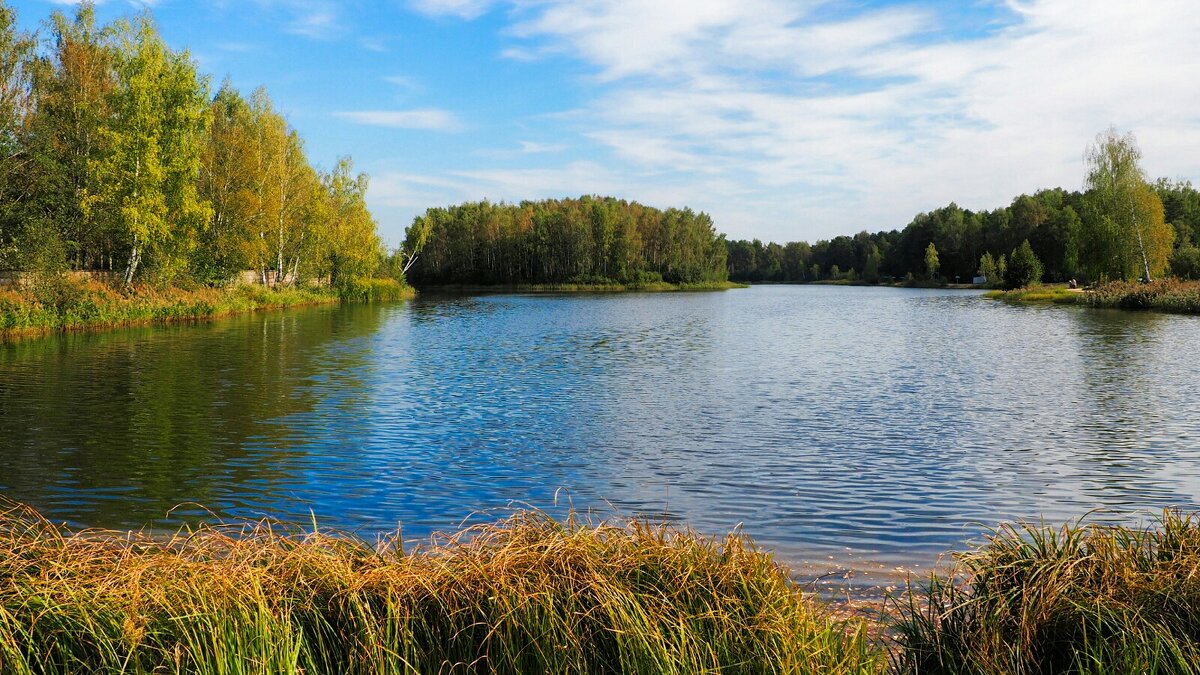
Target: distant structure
979, 280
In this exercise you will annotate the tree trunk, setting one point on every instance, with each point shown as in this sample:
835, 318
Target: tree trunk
1141, 249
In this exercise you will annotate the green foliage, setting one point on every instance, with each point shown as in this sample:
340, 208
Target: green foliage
1124, 230
1185, 262
116, 157
932, 264
1023, 268
556, 241
525, 595
361, 289
45, 303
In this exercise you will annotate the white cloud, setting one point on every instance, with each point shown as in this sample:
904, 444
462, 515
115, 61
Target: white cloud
533, 148
789, 120
429, 119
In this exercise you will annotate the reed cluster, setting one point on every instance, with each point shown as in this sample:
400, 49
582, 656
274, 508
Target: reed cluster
375, 290
1165, 295
526, 595
1080, 599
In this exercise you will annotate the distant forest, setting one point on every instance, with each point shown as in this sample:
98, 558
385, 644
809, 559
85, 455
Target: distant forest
1051, 220
585, 240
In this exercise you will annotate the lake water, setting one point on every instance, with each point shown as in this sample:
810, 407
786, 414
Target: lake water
878, 424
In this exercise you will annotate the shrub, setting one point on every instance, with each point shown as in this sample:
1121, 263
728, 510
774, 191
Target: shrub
1023, 268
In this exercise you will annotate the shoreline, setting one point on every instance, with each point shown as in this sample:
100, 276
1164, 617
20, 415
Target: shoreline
654, 287
531, 593
92, 306
1169, 296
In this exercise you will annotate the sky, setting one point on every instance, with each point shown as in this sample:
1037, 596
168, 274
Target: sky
785, 120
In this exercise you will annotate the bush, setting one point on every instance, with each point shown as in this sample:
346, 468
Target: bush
373, 290
1023, 268
1185, 262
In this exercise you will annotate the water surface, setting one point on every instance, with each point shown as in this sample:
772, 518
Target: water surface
885, 424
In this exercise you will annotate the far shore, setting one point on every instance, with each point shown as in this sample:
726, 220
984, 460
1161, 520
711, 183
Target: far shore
653, 287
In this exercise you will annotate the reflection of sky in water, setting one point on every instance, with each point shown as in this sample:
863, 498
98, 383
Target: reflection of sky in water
885, 421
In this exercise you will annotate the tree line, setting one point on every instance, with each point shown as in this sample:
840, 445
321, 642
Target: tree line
584, 240
115, 155
1119, 227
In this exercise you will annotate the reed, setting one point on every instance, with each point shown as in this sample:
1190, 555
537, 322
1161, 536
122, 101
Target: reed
525, 595
1087, 599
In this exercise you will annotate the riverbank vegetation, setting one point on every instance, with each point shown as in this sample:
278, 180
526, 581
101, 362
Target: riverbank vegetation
531, 594
1091, 235
1077, 599
526, 595
64, 305
116, 157
590, 241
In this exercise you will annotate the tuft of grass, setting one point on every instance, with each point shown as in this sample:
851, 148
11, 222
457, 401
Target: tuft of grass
525, 595
1076, 599
375, 290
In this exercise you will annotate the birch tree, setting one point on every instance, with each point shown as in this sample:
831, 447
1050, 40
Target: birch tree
146, 181
1124, 234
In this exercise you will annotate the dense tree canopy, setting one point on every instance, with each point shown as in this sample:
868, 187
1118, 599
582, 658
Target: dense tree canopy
116, 156
590, 239
1066, 232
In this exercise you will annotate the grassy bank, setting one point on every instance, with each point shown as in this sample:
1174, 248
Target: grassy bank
530, 594
66, 305
1165, 295
527, 595
613, 287
1077, 599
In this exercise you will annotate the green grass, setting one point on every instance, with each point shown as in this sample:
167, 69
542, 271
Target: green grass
60, 304
1057, 294
525, 595
1086, 599
375, 290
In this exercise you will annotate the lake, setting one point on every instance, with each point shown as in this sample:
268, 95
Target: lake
877, 424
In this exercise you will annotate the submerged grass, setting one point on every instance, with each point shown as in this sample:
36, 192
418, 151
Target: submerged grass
1086, 599
525, 595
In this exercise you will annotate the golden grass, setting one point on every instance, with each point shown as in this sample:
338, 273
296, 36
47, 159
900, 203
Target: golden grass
525, 595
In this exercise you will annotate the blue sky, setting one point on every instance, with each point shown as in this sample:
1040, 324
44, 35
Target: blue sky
785, 120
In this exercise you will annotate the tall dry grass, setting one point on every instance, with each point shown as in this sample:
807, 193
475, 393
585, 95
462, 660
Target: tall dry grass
525, 595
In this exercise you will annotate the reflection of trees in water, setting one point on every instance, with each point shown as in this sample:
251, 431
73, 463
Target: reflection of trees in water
1124, 411
118, 427
1117, 350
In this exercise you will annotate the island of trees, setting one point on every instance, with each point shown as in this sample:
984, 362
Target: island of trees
117, 161
585, 241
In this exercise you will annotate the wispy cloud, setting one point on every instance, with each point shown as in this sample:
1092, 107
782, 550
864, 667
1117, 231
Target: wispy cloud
806, 119
464, 9
429, 119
